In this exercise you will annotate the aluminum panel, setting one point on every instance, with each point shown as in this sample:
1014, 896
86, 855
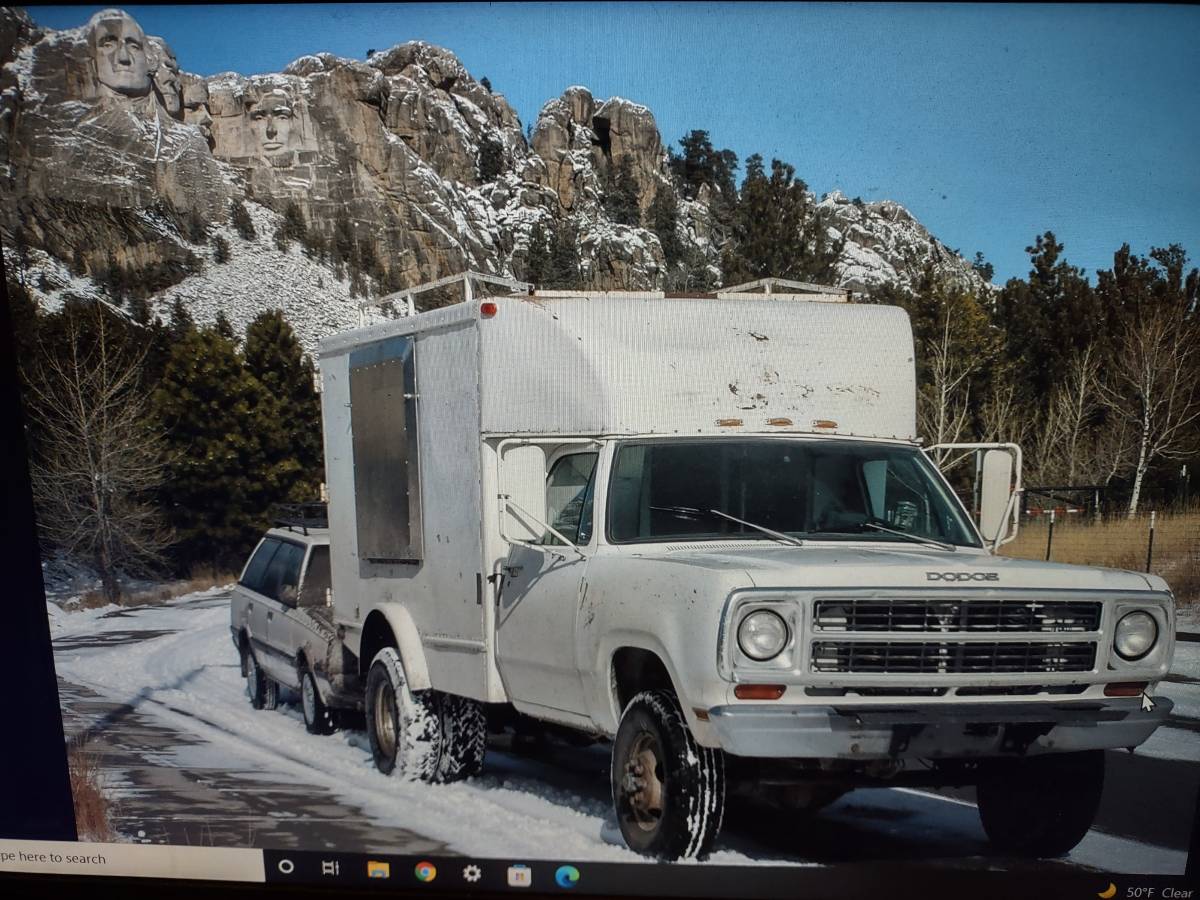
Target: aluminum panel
383, 413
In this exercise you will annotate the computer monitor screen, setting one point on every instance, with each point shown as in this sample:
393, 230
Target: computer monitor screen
699, 449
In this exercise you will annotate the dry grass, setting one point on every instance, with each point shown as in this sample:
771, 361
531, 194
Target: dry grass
202, 578
92, 806
1121, 544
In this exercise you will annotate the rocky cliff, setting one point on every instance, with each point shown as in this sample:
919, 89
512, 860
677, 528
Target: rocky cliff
113, 158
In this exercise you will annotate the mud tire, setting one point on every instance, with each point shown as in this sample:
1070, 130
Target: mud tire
262, 691
1042, 806
464, 738
404, 727
673, 808
318, 718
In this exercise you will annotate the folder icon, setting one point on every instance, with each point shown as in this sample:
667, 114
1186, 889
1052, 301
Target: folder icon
378, 869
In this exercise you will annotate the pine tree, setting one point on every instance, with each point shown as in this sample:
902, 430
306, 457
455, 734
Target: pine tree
537, 256
700, 164
220, 249
294, 226
621, 193
211, 406
181, 320
775, 231
562, 269
239, 217
197, 229
485, 84
291, 425
223, 327
280, 237
664, 219
343, 238
491, 160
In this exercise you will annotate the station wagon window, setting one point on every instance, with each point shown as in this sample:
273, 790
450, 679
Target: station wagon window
568, 498
316, 577
283, 574
252, 578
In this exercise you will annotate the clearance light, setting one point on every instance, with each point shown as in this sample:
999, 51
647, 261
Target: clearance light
729, 423
824, 423
759, 691
488, 309
784, 423
1125, 688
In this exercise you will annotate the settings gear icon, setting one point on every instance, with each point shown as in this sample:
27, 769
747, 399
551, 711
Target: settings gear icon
472, 873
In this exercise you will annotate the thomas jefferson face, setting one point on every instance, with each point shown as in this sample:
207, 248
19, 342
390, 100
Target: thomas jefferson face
167, 80
119, 49
271, 119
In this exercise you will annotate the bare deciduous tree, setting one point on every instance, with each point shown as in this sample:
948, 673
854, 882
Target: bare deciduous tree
98, 454
943, 405
1154, 389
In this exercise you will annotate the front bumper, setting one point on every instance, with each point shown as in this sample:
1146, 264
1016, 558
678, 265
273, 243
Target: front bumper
934, 731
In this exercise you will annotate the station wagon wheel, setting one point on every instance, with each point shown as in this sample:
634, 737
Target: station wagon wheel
262, 691
668, 790
318, 718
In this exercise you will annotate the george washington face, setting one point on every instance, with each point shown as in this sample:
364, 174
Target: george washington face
118, 47
271, 117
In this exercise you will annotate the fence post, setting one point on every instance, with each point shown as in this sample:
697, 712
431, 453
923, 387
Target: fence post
1050, 536
1150, 543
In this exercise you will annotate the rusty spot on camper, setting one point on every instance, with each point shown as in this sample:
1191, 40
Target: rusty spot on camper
733, 388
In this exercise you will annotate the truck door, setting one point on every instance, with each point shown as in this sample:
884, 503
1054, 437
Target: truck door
540, 595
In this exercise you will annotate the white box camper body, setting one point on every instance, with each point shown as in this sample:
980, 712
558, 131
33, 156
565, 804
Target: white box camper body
575, 366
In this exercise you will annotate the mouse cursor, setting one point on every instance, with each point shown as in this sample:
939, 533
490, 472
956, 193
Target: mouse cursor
1147, 703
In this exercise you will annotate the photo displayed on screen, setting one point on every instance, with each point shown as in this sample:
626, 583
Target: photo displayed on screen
542, 433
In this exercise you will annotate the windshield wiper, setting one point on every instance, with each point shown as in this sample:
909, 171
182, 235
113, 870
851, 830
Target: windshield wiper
915, 538
693, 512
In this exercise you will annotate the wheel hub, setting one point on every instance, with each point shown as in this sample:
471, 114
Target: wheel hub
306, 696
385, 720
642, 782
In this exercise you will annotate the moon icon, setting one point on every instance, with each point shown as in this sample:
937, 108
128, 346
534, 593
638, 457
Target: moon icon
1109, 893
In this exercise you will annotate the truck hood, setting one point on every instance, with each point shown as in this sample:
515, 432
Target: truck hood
848, 566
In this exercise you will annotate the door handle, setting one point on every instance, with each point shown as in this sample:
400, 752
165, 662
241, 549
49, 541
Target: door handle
270, 614
513, 571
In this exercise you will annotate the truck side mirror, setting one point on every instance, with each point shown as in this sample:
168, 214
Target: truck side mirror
995, 491
523, 478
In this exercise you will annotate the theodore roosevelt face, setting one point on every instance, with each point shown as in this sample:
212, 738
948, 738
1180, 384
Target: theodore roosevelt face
271, 118
119, 49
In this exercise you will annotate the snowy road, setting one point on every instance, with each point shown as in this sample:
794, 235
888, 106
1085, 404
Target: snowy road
188, 760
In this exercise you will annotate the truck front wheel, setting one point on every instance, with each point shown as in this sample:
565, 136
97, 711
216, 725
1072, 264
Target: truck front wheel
1041, 806
668, 791
404, 727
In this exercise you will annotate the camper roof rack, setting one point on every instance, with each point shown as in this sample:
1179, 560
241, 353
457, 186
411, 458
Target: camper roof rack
302, 516
470, 280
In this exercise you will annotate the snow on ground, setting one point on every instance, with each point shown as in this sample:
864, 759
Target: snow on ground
186, 672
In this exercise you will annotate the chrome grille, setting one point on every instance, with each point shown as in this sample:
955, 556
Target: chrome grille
949, 616
949, 657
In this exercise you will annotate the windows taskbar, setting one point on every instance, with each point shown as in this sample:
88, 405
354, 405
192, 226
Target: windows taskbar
978, 878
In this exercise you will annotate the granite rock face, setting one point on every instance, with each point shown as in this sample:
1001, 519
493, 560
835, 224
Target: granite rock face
422, 162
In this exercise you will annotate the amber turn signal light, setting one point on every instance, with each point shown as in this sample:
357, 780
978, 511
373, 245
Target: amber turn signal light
1125, 688
759, 691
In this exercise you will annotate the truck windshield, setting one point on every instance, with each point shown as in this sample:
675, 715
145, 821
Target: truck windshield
823, 490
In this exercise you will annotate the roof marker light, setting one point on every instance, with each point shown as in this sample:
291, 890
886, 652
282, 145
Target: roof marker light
781, 421
488, 309
824, 423
729, 423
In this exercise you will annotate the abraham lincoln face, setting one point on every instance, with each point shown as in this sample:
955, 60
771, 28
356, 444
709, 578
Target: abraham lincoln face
271, 118
118, 47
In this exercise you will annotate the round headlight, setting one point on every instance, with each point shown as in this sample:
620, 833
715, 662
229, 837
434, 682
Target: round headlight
1135, 635
762, 635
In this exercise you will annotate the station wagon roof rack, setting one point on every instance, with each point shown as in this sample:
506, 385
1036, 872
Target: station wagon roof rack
302, 516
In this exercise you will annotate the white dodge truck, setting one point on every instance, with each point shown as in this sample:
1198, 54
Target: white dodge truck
703, 528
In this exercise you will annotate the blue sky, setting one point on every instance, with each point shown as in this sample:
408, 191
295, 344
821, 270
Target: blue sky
990, 123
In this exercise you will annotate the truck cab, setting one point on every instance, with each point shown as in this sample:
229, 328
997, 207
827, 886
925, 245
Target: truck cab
704, 529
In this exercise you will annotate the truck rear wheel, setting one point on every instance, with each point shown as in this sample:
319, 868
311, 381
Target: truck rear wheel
318, 718
262, 691
464, 738
1041, 806
404, 727
668, 791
